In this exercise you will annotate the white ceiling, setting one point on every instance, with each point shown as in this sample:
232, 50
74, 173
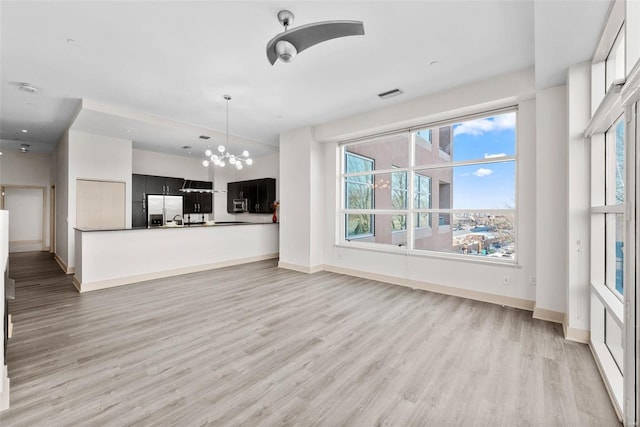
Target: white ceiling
169, 64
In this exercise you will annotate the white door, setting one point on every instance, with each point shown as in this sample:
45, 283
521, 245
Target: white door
26, 218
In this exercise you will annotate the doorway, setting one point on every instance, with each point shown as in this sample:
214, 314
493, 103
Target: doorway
26, 206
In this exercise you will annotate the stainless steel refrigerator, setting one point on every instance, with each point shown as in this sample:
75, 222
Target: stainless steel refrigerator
162, 209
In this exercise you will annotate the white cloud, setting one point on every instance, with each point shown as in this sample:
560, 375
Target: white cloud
480, 126
483, 172
493, 156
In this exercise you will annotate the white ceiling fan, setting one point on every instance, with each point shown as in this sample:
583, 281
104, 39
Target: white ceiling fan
289, 43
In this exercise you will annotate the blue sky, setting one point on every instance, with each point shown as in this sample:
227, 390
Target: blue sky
491, 185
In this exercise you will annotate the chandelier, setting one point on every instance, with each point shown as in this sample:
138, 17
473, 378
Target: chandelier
223, 156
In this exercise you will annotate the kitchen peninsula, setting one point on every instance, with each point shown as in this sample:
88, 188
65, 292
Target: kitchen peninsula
108, 258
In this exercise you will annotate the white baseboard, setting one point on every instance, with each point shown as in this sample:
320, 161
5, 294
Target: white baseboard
104, 284
4, 390
573, 334
301, 268
548, 315
63, 265
576, 335
440, 289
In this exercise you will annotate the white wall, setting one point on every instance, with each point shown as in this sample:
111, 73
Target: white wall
29, 169
480, 96
551, 196
100, 158
296, 199
160, 164
632, 38
303, 216
62, 199
578, 197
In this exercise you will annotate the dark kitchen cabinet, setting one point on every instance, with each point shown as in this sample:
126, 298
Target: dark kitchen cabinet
196, 201
260, 194
139, 188
234, 191
164, 185
138, 215
265, 195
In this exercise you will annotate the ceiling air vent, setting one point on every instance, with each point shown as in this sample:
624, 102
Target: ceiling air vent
390, 94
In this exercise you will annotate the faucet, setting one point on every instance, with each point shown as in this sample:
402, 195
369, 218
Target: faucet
176, 221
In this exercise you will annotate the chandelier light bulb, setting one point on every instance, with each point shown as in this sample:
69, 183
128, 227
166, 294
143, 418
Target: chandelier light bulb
239, 165
208, 153
249, 162
205, 163
245, 153
222, 164
221, 148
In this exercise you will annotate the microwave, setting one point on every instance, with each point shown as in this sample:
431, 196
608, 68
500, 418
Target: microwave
240, 205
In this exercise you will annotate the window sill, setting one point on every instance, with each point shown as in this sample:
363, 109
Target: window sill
402, 250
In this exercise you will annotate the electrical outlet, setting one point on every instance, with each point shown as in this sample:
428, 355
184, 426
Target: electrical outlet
505, 281
532, 280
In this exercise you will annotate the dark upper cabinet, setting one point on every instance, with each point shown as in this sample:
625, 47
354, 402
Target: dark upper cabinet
260, 194
265, 195
173, 186
195, 201
156, 184
139, 188
164, 185
234, 191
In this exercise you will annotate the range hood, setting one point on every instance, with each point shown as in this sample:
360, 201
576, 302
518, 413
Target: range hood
190, 186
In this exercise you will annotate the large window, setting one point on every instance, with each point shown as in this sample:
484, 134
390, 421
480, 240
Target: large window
461, 176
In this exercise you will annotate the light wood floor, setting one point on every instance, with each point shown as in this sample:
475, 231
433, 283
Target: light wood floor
257, 345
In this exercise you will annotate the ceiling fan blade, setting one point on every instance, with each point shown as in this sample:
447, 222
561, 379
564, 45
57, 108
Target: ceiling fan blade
305, 36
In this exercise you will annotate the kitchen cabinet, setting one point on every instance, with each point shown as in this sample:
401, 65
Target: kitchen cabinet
138, 215
164, 185
260, 194
265, 195
196, 201
139, 188
143, 185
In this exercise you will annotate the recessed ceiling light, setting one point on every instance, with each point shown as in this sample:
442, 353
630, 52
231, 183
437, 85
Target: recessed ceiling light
28, 87
390, 93
24, 148
71, 41
128, 131
186, 147
432, 63
0, 153
204, 137
24, 131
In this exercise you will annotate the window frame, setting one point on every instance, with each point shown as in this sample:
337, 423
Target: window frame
411, 172
373, 194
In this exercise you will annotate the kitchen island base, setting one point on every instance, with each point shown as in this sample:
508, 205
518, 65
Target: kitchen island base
108, 258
